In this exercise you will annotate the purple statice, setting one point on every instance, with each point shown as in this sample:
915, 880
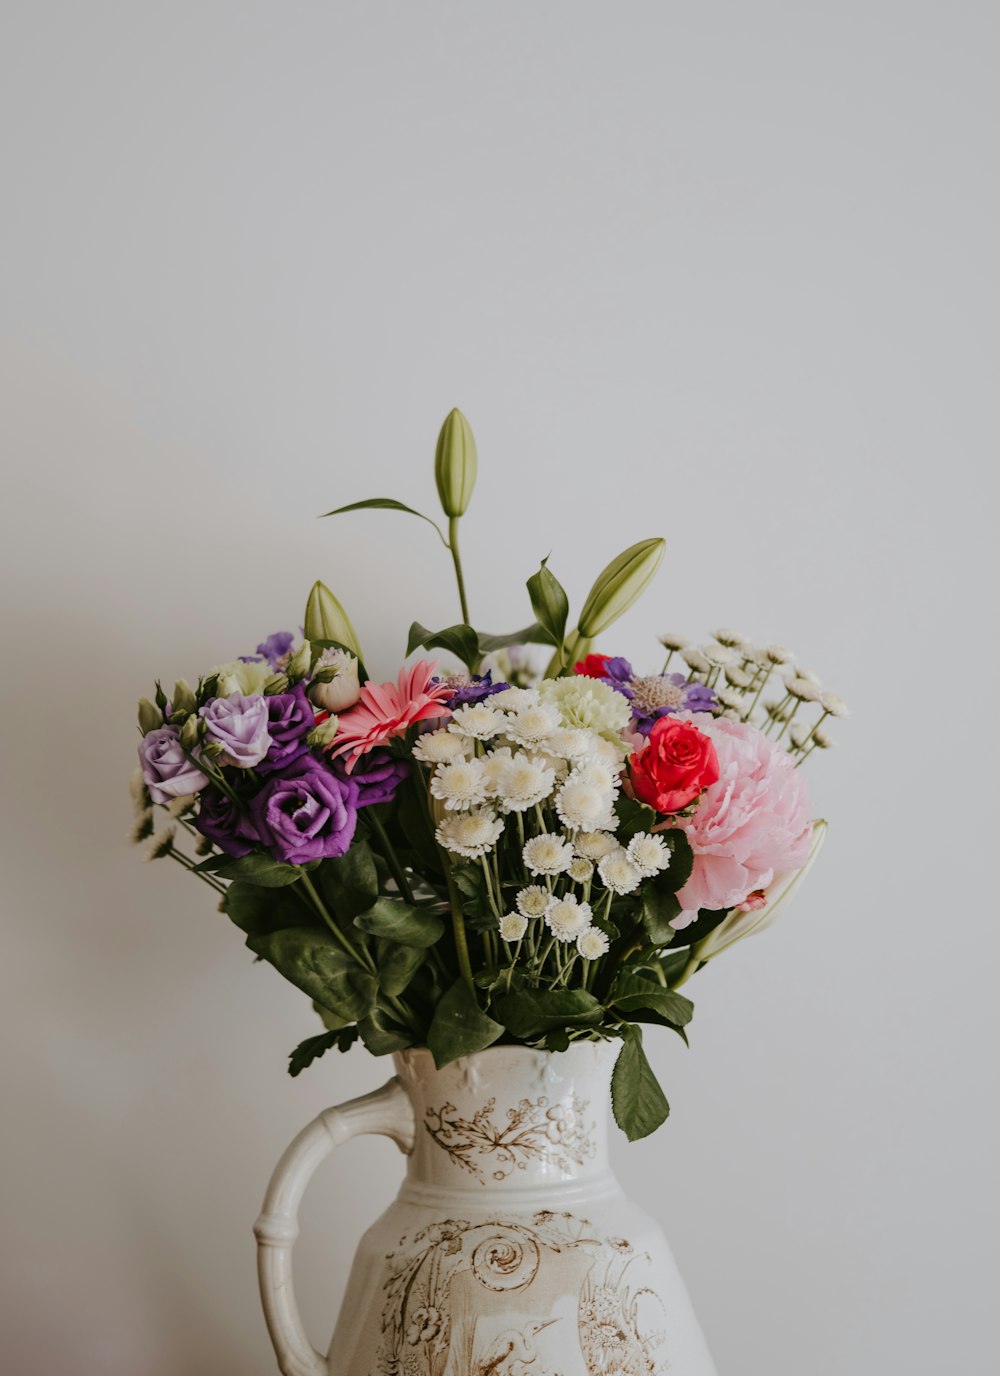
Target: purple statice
290, 718
659, 695
275, 649
226, 823
377, 775
306, 812
468, 688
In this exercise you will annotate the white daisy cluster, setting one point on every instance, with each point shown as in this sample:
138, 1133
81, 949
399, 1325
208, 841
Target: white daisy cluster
743, 677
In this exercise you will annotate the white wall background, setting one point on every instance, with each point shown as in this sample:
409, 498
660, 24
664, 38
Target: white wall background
726, 272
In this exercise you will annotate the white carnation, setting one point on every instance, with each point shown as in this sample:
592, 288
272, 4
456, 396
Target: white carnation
513, 926
477, 720
648, 853
459, 785
618, 873
592, 944
587, 704
472, 834
567, 917
547, 854
532, 901
439, 747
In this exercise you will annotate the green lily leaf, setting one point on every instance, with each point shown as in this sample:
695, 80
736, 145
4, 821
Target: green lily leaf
549, 603
459, 640
386, 504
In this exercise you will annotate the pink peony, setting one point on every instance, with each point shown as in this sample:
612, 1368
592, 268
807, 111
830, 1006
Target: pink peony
385, 710
752, 823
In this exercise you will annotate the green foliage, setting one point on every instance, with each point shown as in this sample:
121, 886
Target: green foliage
633, 817
257, 910
659, 894
386, 504
459, 640
550, 605
257, 869
398, 921
528, 1013
704, 923
638, 1102
460, 1026
313, 1047
632, 992
312, 960
382, 1034
348, 884
397, 965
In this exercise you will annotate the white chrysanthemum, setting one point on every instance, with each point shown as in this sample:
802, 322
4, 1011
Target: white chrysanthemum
439, 747
802, 688
472, 834
695, 660
822, 739
596, 773
834, 704
513, 699
595, 845
720, 655
592, 944
567, 917
730, 698
494, 762
618, 872
459, 785
779, 654
670, 640
547, 854
532, 726
735, 639
560, 767
809, 676
582, 805
739, 678
568, 744
587, 704
648, 853
610, 752
532, 901
523, 782
777, 711
581, 871
513, 926
477, 720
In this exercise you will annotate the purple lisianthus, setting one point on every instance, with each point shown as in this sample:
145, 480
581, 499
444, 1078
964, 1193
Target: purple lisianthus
166, 769
240, 725
468, 688
290, 718
306, 812
377, 775
275, 649
659, 695
226, 823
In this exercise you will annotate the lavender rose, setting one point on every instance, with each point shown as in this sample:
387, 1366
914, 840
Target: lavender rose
290, 718
239, 724
377, 776
222, 821
166, 769
306, 812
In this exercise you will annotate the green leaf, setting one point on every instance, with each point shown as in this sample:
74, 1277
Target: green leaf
261, 870
310, 1050
382, 1035
312, 961
528, 635
386, 504
325, 619
637, 1100
459, 640
349, 883
530, 1012
255, 909
460, 1026
706, 921
549, 603
674, 1008
397, 964
659, 906
415, 826
395, 920
681, 857
633, 817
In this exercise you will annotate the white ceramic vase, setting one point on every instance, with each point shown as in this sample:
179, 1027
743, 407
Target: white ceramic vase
510, 1250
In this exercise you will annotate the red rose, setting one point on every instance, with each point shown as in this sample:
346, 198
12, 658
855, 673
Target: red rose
594, 666
676, 764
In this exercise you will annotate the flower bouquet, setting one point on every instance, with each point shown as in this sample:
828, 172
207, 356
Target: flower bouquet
540, 846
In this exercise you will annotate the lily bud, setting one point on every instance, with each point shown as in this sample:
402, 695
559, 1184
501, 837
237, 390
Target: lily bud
326, 619
618, 586
455, 464
183, 699
298, 665
150, 716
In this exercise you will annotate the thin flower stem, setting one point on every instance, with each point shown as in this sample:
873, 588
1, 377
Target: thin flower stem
362, 956
390, 855
190, 866
458, 925
456, 559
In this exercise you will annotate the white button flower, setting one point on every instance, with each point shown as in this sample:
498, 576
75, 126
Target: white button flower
513, 926
648, 853
513, 699
618, 873
584, 806
547, 854
581, 871
471, 834
592, 944
532, 901
440, 747
566, 918
477, 720
531, 726
460, 785
524, 781
595, 845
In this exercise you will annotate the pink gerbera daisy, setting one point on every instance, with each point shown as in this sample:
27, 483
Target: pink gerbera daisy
385, 710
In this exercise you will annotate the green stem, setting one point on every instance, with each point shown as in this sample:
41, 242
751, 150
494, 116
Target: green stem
456, 559
362, 957
390, 855
458, 925
190, 866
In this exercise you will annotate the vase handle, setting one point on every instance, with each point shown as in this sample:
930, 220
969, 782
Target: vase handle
386, 1111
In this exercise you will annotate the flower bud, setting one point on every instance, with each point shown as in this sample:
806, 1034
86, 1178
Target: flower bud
618, 586
455, 464
150, 716
277, 683
190, 733
323, 735
326, 619
335, 685
183, 699
298, 664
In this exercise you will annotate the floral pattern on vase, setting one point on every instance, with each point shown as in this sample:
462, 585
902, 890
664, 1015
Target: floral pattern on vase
512, 1296
535, 1129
